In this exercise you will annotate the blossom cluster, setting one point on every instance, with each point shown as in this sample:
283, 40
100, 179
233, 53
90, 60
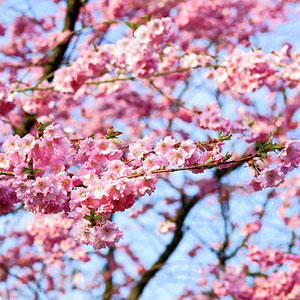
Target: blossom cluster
139, 56
289, 159
52, 233
227, 21
278, 284
91, 179
51, 236
6, 99
269, 258
244, 72
103, 182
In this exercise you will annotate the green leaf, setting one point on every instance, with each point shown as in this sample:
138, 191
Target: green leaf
112, 135
95, 47
227, 156
42, 126
136, 25
147, 18
130, 25
115, 140
210, 160
270, 141
27, 171
250, 122
87, 217
110, 132
133, 26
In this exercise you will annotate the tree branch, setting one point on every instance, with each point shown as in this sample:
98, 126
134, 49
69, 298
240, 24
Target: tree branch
53, 62
170, 248
56, 58
109, 287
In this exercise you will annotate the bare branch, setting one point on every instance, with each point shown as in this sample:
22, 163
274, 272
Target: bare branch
109, 287
169, 250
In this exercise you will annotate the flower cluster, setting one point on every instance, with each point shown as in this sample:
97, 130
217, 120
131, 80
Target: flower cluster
269, 258
52, 233
8, 197
6, 99
139, 55
211, 118
38, 253
104, 182
100, 236
289, 159
243, 72
42, 186
227, 21
278, 285
90, 64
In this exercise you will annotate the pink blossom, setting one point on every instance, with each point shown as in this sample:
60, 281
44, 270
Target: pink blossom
166, 227
156, 33
165, 145
290, 155
106, 236
270, 177
251, 228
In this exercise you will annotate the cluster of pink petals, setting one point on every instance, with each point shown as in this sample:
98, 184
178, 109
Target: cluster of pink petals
251, 228
244, 72
39, 253
91, 179
290, 74
6, 99
90, 64
101, 236
194, 60
229, 22
277, 285
270, 257
290, 156
139, 56
53, 39
166, 227
8, 197
211, 118
52, 233
47, 192
103, 182
273, 177
156, 33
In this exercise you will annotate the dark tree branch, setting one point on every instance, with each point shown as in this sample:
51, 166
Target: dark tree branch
54, 61
109, 287
56, 58
246, 238
20, 207
170, 248
224, 206
222, 172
